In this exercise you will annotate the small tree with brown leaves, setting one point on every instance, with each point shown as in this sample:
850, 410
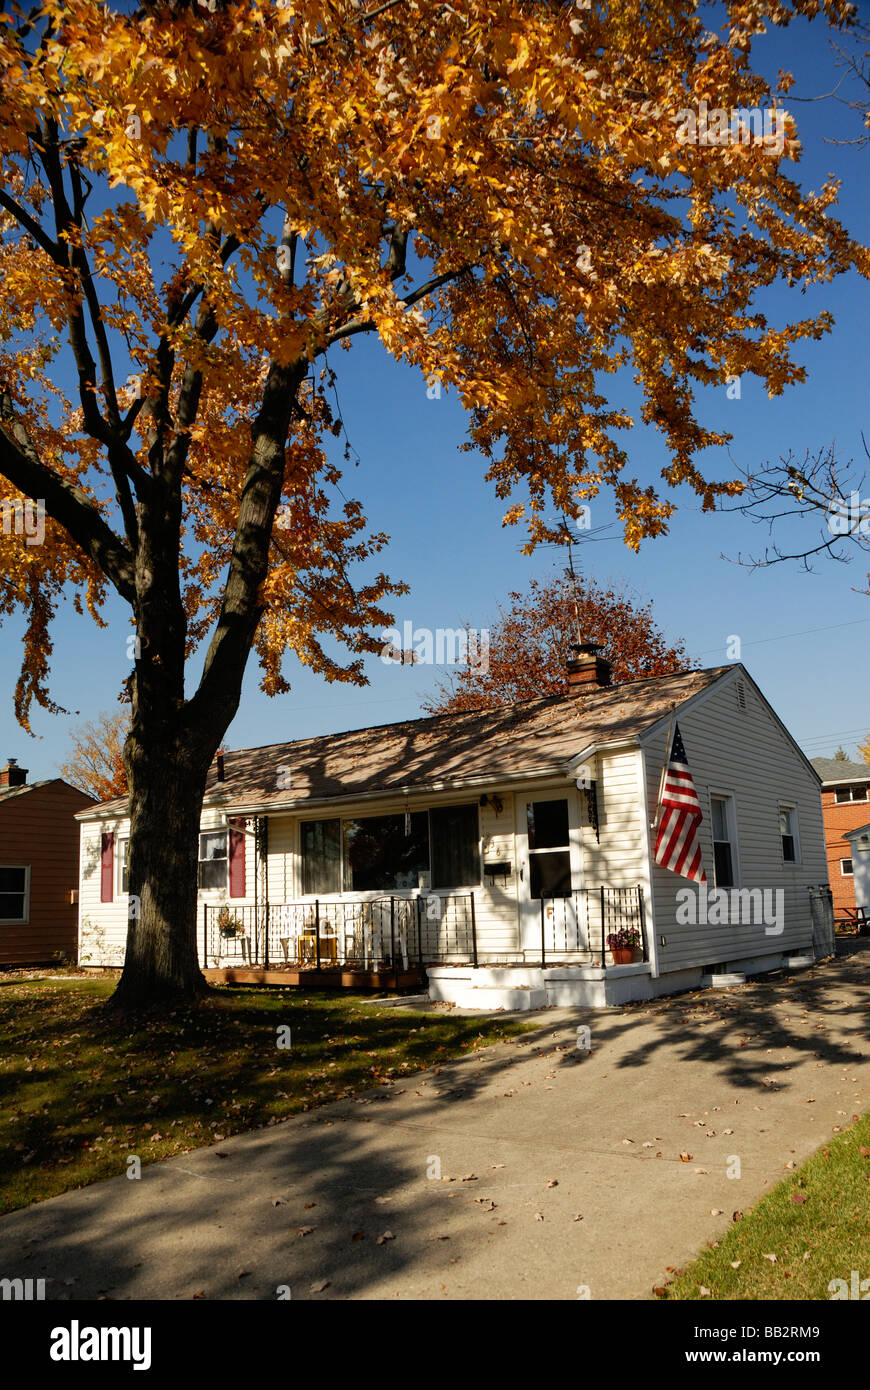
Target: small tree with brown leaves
530, 643
96, 763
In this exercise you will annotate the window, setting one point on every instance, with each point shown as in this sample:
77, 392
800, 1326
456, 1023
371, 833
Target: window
213, 859
842, 794
788, 832
722, 814
385, 852
416, 849
14, 894
124, 866
846, 868
549, 855
454, 839
321, 856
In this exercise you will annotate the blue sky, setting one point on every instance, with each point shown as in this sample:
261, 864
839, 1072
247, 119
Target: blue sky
804, 637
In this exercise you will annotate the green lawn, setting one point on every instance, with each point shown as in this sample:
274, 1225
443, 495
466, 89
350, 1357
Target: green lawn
816, 1223
79, 1093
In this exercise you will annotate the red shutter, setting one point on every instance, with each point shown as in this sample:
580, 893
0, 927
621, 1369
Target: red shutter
107, 868
237, 859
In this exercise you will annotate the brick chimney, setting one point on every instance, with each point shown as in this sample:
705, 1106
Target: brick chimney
586, 669
219, 763
12, 775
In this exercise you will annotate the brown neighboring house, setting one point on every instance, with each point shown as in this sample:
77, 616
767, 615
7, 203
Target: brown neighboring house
845, 807
39, 867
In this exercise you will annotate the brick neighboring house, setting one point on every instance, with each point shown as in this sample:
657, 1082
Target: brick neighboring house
845, 807
39, 867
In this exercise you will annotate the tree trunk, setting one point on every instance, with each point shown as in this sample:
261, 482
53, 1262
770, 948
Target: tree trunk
161, 965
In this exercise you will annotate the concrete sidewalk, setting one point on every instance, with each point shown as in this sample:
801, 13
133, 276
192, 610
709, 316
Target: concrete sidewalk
559, 1168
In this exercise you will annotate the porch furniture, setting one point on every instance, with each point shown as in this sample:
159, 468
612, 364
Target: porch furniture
858, 917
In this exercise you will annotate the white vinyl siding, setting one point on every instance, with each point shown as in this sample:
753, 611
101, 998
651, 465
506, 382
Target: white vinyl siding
750, 755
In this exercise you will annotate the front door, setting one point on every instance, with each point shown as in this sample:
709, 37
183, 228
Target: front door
548, 851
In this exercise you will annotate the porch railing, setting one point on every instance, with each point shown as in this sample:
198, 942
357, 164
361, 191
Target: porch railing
387, 933
396, 933
581, 923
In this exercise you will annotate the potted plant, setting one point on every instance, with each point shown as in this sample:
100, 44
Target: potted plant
623, 944
229, 925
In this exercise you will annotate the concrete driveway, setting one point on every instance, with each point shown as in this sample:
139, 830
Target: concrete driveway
531, 1170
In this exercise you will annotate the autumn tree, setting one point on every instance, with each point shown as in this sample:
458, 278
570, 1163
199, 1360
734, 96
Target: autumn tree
96, 762
201, 201
530, 643
864, 750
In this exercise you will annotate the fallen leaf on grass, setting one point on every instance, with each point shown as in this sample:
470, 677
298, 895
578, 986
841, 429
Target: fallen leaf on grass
704, 1291
735, 1264
737, 1216
799, 1197
772, 1258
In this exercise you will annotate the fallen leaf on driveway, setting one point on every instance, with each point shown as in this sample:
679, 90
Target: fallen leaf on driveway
305, 1230
358, 1235
279, 1201
578, 1217
701, 1170
382, 1240
685, 1158
539, 1216
737, 1216
715, 1211
470, 1177
319, 1286
553, 1182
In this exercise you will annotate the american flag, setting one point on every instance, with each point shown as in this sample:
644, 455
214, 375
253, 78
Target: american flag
679, 815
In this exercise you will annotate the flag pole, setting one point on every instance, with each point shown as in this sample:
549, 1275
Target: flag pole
665, 761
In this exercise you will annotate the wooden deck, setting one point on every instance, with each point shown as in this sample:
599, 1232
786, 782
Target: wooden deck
337, 977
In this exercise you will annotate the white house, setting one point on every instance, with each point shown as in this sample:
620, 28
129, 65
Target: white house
859, 839
499, 849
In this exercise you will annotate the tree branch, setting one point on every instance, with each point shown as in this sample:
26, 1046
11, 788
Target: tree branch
67, 503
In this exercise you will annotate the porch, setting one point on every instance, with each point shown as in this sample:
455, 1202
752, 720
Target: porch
400, 941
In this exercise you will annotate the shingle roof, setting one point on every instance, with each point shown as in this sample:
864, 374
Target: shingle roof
518, 739
6, 793
836, 770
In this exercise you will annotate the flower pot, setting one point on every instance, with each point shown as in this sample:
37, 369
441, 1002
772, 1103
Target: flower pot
622, 955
